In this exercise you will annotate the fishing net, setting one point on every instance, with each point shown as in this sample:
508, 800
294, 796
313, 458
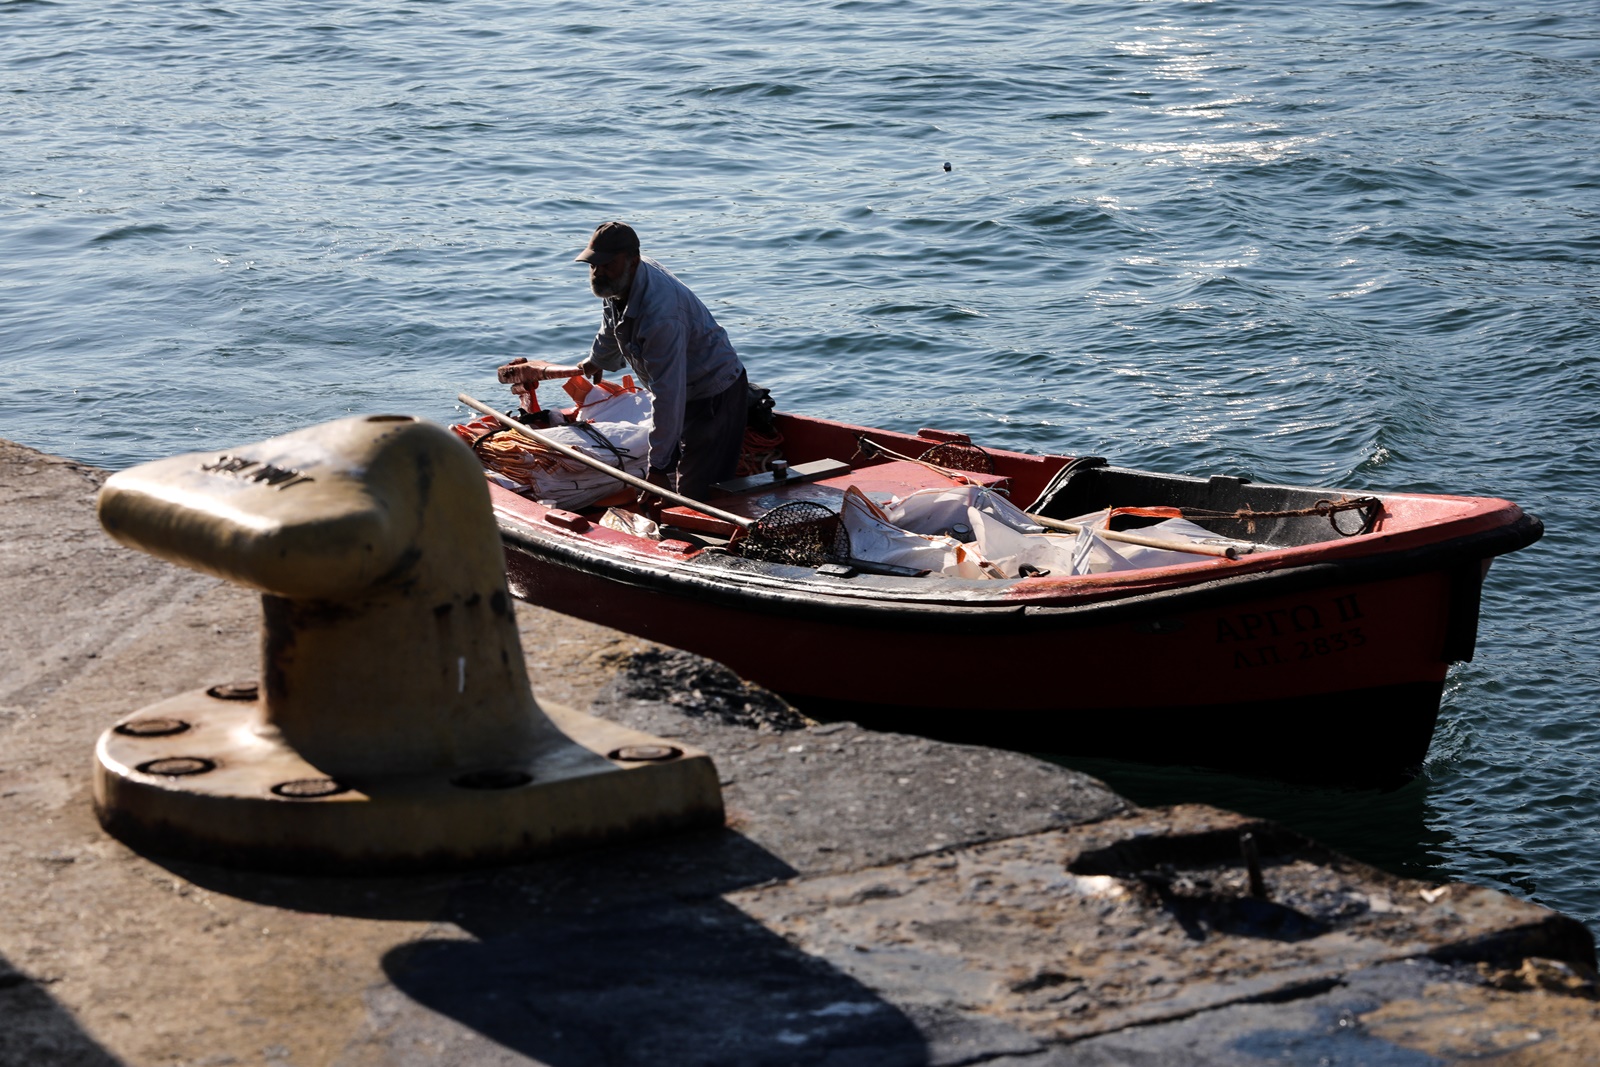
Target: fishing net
801, 533
950, 458
959, 456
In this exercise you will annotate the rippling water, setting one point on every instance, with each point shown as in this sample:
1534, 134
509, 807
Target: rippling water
1354, 244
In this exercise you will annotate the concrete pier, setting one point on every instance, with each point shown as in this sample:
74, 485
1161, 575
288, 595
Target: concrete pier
874, 899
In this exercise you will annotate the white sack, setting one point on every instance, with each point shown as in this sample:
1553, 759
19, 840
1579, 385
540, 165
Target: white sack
1002, 534
874, 539
1093, 554
935, 511
1005, 540
1138, 556
625, 421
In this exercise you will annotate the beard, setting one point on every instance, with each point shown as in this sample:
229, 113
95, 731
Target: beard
611, 289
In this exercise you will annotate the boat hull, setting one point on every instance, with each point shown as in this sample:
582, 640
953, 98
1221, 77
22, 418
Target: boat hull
1320, 657
1329, 674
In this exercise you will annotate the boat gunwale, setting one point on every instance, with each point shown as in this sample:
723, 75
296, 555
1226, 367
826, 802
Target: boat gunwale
876, 599
1473, 528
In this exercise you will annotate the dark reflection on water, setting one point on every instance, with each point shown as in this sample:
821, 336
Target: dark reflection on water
1386, 828
1413, 830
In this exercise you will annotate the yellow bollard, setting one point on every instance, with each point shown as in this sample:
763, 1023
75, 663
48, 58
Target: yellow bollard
394, 728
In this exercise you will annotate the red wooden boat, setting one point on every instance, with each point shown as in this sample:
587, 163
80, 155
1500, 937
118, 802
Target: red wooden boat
1321, 658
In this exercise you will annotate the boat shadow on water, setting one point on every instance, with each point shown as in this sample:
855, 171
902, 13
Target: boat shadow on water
1381, 820
1385, 827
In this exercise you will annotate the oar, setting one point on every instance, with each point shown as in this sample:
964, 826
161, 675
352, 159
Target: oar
547, 371
605, 468
1225, 551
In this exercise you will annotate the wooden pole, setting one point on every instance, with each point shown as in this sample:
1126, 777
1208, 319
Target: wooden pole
1225, 551
605, 468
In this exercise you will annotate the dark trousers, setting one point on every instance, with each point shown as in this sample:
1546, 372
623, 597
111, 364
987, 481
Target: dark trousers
713, 437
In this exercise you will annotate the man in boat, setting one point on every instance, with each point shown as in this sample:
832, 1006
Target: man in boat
652, 323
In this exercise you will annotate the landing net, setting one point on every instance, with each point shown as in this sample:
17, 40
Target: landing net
801, 533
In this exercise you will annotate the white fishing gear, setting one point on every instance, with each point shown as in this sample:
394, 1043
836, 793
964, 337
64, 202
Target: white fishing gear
612, 425
970, 531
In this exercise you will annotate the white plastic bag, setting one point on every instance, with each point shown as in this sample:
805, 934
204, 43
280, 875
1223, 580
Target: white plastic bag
997, 532
631, 523
1179, 531
970, 531
617, 434
1009, 542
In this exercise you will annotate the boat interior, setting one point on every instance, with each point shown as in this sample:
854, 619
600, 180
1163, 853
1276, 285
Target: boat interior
820, 459
825, 458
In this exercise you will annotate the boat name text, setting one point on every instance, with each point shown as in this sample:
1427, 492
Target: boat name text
253, 470
1278, 622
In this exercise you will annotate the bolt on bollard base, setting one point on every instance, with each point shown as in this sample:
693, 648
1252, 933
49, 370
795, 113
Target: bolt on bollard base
221, 790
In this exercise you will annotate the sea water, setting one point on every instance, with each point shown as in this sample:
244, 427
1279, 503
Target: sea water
1350, 244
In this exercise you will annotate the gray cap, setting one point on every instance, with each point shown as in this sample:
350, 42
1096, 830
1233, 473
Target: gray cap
610, 240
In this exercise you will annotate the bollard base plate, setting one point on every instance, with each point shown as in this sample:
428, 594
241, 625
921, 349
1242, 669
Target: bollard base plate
199, 777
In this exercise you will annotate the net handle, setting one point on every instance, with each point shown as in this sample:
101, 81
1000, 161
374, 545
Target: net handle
605, 468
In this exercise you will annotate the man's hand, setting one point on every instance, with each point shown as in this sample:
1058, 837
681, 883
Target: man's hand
590, 369
648, 503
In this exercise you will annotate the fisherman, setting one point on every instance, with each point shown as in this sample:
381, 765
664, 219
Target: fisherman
651, 322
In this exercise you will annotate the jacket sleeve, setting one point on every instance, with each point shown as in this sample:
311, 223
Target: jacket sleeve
664, 356
605, 351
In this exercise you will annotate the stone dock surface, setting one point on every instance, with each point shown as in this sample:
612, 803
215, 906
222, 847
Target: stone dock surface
874, 899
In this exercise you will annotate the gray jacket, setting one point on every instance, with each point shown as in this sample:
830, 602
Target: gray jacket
669, 339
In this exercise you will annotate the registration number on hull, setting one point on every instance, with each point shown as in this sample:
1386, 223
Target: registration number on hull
1286, 635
